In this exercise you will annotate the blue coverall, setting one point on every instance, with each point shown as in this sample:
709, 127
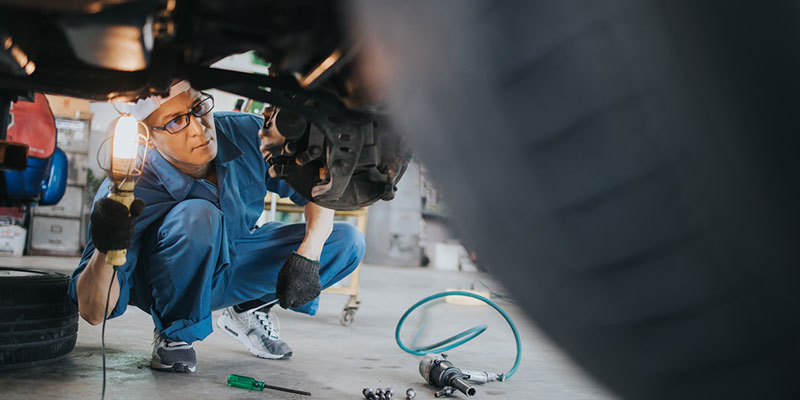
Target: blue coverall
196, 248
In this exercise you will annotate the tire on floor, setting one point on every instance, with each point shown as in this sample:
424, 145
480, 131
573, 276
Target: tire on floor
38, 322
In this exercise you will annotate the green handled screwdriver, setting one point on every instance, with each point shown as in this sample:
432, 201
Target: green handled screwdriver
246, 382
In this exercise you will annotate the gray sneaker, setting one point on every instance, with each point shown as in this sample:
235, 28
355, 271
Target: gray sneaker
172, 356
257, 330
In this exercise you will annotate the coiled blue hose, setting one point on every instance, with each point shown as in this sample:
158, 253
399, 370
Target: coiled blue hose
461, 338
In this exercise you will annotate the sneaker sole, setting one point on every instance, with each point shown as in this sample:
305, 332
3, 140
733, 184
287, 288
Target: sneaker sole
226, 325
177, 367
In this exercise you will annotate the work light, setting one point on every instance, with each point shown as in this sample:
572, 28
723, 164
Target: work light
123, 163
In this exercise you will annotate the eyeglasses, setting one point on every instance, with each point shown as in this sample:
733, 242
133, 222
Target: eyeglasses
177, 124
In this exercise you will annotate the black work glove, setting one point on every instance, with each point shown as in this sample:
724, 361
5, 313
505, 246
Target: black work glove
112, 226
298, 281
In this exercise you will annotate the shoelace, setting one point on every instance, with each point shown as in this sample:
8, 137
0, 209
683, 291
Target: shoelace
170, 343
157, 339
262, 306
265, 319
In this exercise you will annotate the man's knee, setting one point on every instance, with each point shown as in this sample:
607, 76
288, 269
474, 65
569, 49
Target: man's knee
186, 250
194, 219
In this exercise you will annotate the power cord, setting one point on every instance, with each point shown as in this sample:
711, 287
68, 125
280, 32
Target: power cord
423, 322
103, 330
496, 295
458, 339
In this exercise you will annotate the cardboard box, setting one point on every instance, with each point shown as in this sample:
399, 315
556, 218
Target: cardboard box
73, 134
12, 240
12, 215
444, 256
69, 107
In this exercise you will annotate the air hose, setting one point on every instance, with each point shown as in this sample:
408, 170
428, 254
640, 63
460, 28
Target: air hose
461, 338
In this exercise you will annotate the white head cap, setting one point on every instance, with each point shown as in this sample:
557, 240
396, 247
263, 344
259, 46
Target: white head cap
144, 107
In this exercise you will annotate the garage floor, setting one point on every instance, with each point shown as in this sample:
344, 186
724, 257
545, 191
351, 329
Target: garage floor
330, 361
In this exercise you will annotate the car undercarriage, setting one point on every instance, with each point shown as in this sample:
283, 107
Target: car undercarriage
324, 132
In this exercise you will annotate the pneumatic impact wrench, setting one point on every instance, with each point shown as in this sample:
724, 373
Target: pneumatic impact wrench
440, 372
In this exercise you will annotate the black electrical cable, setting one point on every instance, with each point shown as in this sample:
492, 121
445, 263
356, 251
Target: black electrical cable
496, 295
103, 330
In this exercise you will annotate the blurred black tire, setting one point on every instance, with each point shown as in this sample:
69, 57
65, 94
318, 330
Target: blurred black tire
629, 169
38, 322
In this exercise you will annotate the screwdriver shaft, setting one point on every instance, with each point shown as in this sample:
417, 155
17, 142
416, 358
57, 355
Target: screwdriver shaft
300, 392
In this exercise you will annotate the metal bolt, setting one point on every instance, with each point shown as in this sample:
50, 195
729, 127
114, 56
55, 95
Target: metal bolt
388, 393
410, 393
446, 391
367, 392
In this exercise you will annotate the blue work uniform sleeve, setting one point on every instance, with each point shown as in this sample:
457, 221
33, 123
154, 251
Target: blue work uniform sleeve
282, 189
244, 128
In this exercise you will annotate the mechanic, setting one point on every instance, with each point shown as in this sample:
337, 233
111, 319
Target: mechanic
192, 242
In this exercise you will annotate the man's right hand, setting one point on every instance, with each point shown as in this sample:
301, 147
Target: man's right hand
112, 224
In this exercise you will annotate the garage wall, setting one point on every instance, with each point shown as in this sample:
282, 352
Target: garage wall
394, 227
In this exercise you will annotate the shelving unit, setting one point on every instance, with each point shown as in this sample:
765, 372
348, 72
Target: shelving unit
58, 229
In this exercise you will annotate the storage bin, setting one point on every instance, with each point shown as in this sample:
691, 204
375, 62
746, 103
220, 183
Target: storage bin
53, 235
70, 206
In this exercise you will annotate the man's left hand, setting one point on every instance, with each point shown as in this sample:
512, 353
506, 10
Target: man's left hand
298, 281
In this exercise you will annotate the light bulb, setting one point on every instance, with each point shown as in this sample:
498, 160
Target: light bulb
125, 145
122, 171
126, 137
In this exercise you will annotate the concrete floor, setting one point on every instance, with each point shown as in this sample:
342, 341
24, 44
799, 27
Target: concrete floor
330, 361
